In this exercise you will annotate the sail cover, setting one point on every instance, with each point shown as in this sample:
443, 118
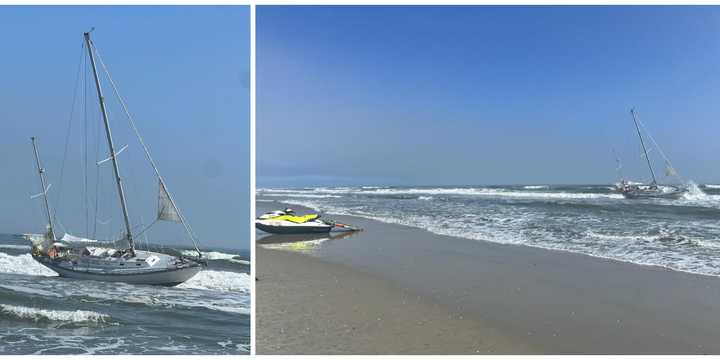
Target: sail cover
166, 209
67, 238
81, 242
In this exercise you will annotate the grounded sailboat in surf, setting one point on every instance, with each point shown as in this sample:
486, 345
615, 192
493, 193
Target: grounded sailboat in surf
118, 260
633, 190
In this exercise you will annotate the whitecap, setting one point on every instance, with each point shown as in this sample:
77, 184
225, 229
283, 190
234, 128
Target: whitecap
23, 264
14, 247
27, 290
219, 280
35, 314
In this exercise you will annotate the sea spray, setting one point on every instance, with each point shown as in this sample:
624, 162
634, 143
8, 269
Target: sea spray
694, 192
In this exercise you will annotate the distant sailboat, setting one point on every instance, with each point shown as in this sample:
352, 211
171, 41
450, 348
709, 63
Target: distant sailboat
652, 190
119, 260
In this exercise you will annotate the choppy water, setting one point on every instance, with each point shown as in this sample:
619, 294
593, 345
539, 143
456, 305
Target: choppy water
681, 234
41, 313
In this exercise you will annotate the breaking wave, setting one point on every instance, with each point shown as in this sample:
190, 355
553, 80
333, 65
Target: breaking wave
23, 264
496, 192
681, 234
14, 247
64, 316
219, 280
29, 290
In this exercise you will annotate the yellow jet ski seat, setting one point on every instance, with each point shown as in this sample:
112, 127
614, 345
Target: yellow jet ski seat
297, 219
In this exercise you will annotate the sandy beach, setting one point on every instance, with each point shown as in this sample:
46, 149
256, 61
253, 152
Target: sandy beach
397, 289
309, 306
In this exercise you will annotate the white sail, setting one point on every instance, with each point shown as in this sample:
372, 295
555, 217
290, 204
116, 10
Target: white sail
166, 209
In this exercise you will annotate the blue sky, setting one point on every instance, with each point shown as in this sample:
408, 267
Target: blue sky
184, 72
484, 94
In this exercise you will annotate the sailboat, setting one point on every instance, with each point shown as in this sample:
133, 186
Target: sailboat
653, 190
118, 260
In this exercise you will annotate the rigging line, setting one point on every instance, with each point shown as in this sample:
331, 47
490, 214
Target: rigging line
147, 152
144, 233
69, 128
667, 161
40, 204
97, 177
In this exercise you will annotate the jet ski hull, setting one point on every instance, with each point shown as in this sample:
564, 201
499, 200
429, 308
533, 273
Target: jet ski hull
284, 229
164, 277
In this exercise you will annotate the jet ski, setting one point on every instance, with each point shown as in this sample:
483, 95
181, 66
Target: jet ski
286, 222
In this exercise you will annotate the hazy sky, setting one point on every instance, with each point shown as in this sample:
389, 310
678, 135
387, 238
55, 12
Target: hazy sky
483, 95
184, 72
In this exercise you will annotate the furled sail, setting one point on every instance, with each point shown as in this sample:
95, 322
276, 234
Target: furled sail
166, 209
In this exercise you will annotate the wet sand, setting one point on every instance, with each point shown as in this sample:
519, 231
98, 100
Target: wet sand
516, 299
308, 306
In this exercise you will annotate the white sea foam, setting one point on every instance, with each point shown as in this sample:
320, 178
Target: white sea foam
219, 280
599, 230
29, 290
696, 197
270, 190
14, 247
695, 193
23, 264
216, 255
218, 293
464, 192
497, 193
712, 186
35, 314
326, 208
311, 196
535, 187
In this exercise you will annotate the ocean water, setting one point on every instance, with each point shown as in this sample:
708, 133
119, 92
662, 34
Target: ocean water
41, 313
682, 234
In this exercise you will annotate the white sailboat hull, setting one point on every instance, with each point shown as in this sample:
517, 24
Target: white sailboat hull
165, 277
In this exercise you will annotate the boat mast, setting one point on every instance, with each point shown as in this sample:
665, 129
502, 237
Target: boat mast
41, 172
647, 158
116, 170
